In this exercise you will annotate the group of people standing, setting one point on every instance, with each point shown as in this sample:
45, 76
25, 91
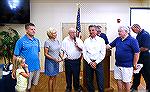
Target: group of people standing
93, 50
130, 52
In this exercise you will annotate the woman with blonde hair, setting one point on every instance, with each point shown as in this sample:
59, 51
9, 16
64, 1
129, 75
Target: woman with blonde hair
52, 57
22, 74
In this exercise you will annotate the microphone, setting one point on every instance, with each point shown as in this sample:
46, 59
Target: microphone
74, 39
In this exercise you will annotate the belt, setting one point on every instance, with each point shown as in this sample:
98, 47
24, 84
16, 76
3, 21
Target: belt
71, 59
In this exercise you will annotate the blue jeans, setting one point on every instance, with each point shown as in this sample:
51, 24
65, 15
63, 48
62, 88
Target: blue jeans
99, 77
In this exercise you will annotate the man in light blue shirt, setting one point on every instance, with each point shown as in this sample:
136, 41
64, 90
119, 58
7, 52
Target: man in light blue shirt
29, 47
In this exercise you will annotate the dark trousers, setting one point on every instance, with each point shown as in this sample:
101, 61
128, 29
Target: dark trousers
145, 71
7, 84
72, 68
90, 76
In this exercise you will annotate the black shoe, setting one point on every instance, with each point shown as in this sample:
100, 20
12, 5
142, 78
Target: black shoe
78, 90
133, 90
68, 90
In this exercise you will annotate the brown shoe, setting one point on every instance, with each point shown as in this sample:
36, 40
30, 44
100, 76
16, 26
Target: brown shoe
28, 90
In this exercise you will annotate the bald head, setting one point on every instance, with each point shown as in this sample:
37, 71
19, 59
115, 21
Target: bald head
136, 25
72, 29
72, 32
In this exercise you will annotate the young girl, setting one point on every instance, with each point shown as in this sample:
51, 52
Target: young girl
22, 74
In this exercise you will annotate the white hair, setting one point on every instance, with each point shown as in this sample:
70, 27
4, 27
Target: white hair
123, 28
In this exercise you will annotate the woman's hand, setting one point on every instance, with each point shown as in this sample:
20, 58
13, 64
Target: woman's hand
57, 60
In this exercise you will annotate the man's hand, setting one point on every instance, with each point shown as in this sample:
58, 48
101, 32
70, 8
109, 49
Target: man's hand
135, 67
58, 60
76, 45
93, 65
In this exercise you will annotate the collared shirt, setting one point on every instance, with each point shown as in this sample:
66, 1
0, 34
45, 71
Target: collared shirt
69, 48
144, 41
125, 50
29, 49
94, 49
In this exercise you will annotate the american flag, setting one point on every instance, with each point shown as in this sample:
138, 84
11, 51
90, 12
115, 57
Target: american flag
78, 25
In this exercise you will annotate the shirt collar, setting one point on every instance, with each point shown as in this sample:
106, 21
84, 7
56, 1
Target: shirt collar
33, 38
141, 32
93, 38
122, 39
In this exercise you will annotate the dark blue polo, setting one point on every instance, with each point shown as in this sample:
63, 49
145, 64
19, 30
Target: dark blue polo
125, 51
144, 41
102, 35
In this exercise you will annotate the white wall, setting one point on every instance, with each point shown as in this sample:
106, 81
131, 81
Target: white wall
45, 14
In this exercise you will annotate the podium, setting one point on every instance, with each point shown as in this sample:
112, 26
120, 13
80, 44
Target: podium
106, 68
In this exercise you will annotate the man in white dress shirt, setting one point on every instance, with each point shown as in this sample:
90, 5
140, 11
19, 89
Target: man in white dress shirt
94, 52
72, 48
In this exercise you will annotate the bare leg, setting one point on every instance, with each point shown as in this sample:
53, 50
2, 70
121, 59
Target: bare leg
127, 86
54, 83
51, 84
120, 85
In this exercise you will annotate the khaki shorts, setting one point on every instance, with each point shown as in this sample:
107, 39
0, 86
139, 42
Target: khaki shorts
33, 78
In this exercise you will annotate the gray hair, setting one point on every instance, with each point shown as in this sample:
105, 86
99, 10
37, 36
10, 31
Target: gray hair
123, 28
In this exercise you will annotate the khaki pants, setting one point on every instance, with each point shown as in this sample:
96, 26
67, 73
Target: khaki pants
33, 78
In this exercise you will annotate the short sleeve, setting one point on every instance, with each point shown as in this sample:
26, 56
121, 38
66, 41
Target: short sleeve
38, 45
113, 43
20, 70
80, 43
46, 44
146, 41
18, 47
135, 46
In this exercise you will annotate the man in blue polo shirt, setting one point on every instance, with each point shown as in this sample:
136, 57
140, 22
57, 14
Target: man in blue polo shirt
143, 38
127, 55
28, 47
102, 35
